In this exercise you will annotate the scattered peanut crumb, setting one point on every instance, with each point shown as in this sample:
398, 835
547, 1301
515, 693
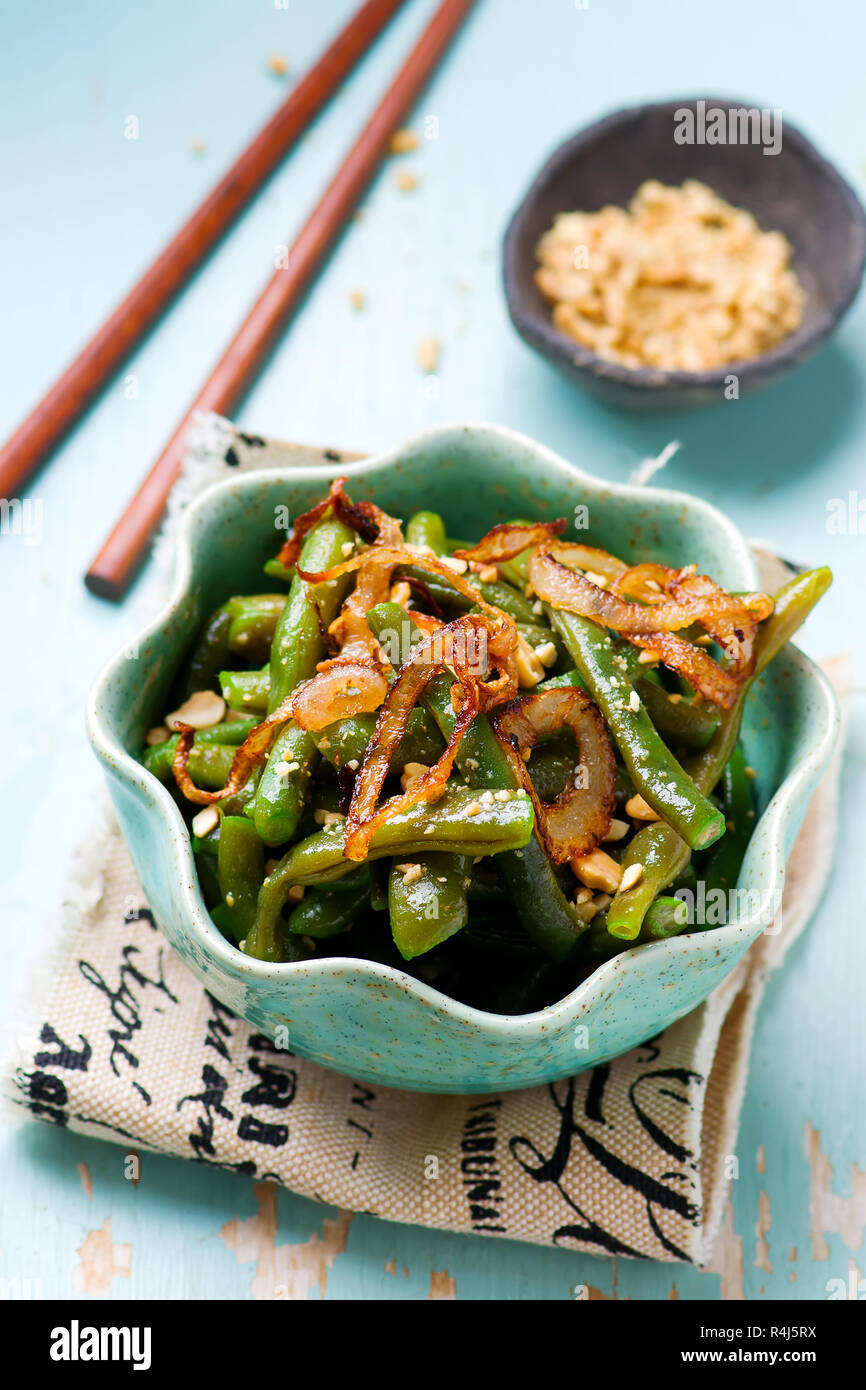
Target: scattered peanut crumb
157, 735
675, 699
403, 141
411, 872
357, 300
647, 658
277, 65
546, 654
634, 702
347, 548
197, 145
427, 354
353, 764
406, 180
296, 892
502, 796
205, 820
473, 808
632, 875
600, 580
750, 772
488, 574
486, 798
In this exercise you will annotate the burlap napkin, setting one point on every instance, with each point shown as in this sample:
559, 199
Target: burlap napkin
632, 1158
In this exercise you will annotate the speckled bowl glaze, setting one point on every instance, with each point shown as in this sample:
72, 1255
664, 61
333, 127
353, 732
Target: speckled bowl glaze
368, 1020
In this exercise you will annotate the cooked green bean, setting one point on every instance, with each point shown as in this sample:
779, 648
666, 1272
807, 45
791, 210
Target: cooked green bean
253, 623
427, 528
325, 912
298, 646
420, 830
427, 901
722, 867
159, 758
657, 848
548, 916
209, 653
246, 691
241, 870
346, 741
478, 907
654, 770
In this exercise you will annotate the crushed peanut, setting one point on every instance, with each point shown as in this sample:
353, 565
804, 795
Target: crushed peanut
157, 735
357, 300
618, 831
454, 562
597, 870
406, 181
632, 875
488, 574
546, 654
277, 65
205, 820
529, 668
200, 711
639, 809
680, 280
647, 658
296, 892
412, 772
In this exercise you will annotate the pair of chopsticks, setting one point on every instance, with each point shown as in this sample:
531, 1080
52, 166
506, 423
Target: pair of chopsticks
115, 566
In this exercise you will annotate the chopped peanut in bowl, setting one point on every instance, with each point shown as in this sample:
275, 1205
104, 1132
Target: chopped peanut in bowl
680, 280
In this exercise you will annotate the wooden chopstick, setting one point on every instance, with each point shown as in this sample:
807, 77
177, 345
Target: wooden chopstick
75, 390
117, 562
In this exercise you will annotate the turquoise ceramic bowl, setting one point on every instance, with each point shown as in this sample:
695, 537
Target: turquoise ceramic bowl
368, 1020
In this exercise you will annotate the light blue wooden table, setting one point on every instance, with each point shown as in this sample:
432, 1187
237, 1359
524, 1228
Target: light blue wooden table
84, 210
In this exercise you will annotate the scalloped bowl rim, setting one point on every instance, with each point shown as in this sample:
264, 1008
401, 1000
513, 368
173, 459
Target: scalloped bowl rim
150, 791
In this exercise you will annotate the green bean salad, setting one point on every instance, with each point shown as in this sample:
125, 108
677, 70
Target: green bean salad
490, 764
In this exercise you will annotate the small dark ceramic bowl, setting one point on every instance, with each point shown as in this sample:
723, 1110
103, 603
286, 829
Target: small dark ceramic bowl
794, 191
